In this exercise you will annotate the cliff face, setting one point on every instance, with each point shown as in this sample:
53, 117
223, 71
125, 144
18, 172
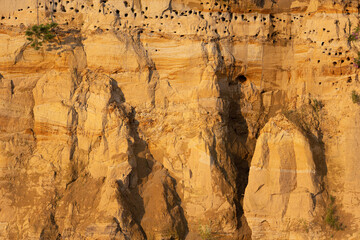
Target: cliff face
140, 120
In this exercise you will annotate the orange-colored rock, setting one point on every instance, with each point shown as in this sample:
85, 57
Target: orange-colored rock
283, 186
140, 120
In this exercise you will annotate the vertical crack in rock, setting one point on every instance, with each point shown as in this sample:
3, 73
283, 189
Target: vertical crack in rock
51, 230
232, 122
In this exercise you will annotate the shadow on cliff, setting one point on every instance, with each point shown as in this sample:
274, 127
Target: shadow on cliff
237, 143
308, 120
233, 148
146, 168
147, 165
241, 153
69, 37
318, 149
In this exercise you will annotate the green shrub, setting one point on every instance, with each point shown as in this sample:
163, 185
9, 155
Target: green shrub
355, 97
205, 232
39, 34
330, 218
354, 36
304, 225
356, 60
317, 105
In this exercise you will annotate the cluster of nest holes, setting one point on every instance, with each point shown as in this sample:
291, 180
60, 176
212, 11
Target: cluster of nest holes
216, 14
219, 18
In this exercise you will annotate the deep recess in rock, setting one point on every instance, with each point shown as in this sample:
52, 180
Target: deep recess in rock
241, 78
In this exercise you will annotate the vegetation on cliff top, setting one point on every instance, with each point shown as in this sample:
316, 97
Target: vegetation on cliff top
39, 34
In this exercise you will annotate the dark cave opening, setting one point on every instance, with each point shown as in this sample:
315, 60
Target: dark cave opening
240, 78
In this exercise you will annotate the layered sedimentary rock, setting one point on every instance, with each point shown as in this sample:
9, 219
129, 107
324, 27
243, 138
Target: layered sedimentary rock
140, 119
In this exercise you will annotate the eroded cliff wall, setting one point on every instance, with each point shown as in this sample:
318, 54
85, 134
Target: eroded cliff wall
140, 120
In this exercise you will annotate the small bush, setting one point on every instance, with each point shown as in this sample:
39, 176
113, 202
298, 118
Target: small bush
303, 225
355, 35
205, 232
355, 97
317, 105
39, 34
356, 63
330, 218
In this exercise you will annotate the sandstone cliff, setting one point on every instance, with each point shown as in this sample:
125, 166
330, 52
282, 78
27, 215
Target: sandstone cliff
178, 119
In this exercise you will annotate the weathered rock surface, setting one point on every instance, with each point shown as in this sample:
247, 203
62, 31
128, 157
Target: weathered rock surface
282, 186
140, 120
